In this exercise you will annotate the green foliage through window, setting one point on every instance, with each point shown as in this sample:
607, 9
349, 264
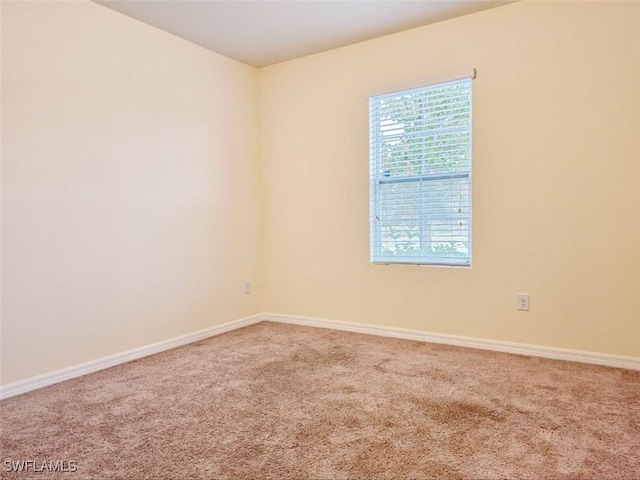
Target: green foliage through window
420, 173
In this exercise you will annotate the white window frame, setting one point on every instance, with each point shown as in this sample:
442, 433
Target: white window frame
456, 253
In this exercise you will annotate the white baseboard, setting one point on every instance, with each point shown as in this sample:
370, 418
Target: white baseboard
33, 383
631, 363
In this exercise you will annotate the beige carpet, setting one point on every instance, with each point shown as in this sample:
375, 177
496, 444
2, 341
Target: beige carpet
285, 402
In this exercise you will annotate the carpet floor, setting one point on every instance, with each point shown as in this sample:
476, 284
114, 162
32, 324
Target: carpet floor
274, 401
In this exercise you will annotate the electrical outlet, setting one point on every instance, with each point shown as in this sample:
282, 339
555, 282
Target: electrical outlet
523, 302
247, 286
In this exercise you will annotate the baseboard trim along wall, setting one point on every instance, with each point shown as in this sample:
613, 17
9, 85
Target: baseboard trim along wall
33, 383
630, 363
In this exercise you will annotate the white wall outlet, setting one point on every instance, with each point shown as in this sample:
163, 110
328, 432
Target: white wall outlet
247, 286
523, 302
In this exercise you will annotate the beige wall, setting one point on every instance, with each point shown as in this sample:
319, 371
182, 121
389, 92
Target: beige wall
130, 201
141, 182
556, 179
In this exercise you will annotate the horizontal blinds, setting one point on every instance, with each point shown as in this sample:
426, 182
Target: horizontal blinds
469, 73
420, 174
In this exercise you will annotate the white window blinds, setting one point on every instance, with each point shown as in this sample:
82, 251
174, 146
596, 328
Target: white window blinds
420, 175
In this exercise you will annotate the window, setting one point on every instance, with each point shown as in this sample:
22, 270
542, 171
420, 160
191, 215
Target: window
420, 174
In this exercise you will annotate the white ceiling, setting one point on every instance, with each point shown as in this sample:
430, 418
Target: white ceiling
264, 32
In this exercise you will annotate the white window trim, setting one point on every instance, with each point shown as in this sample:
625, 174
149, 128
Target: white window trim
376, 180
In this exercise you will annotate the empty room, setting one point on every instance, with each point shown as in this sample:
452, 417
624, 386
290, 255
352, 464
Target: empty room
320, 239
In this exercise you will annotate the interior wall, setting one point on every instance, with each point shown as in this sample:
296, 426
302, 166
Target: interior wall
556, 172
130, 189
136, 186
